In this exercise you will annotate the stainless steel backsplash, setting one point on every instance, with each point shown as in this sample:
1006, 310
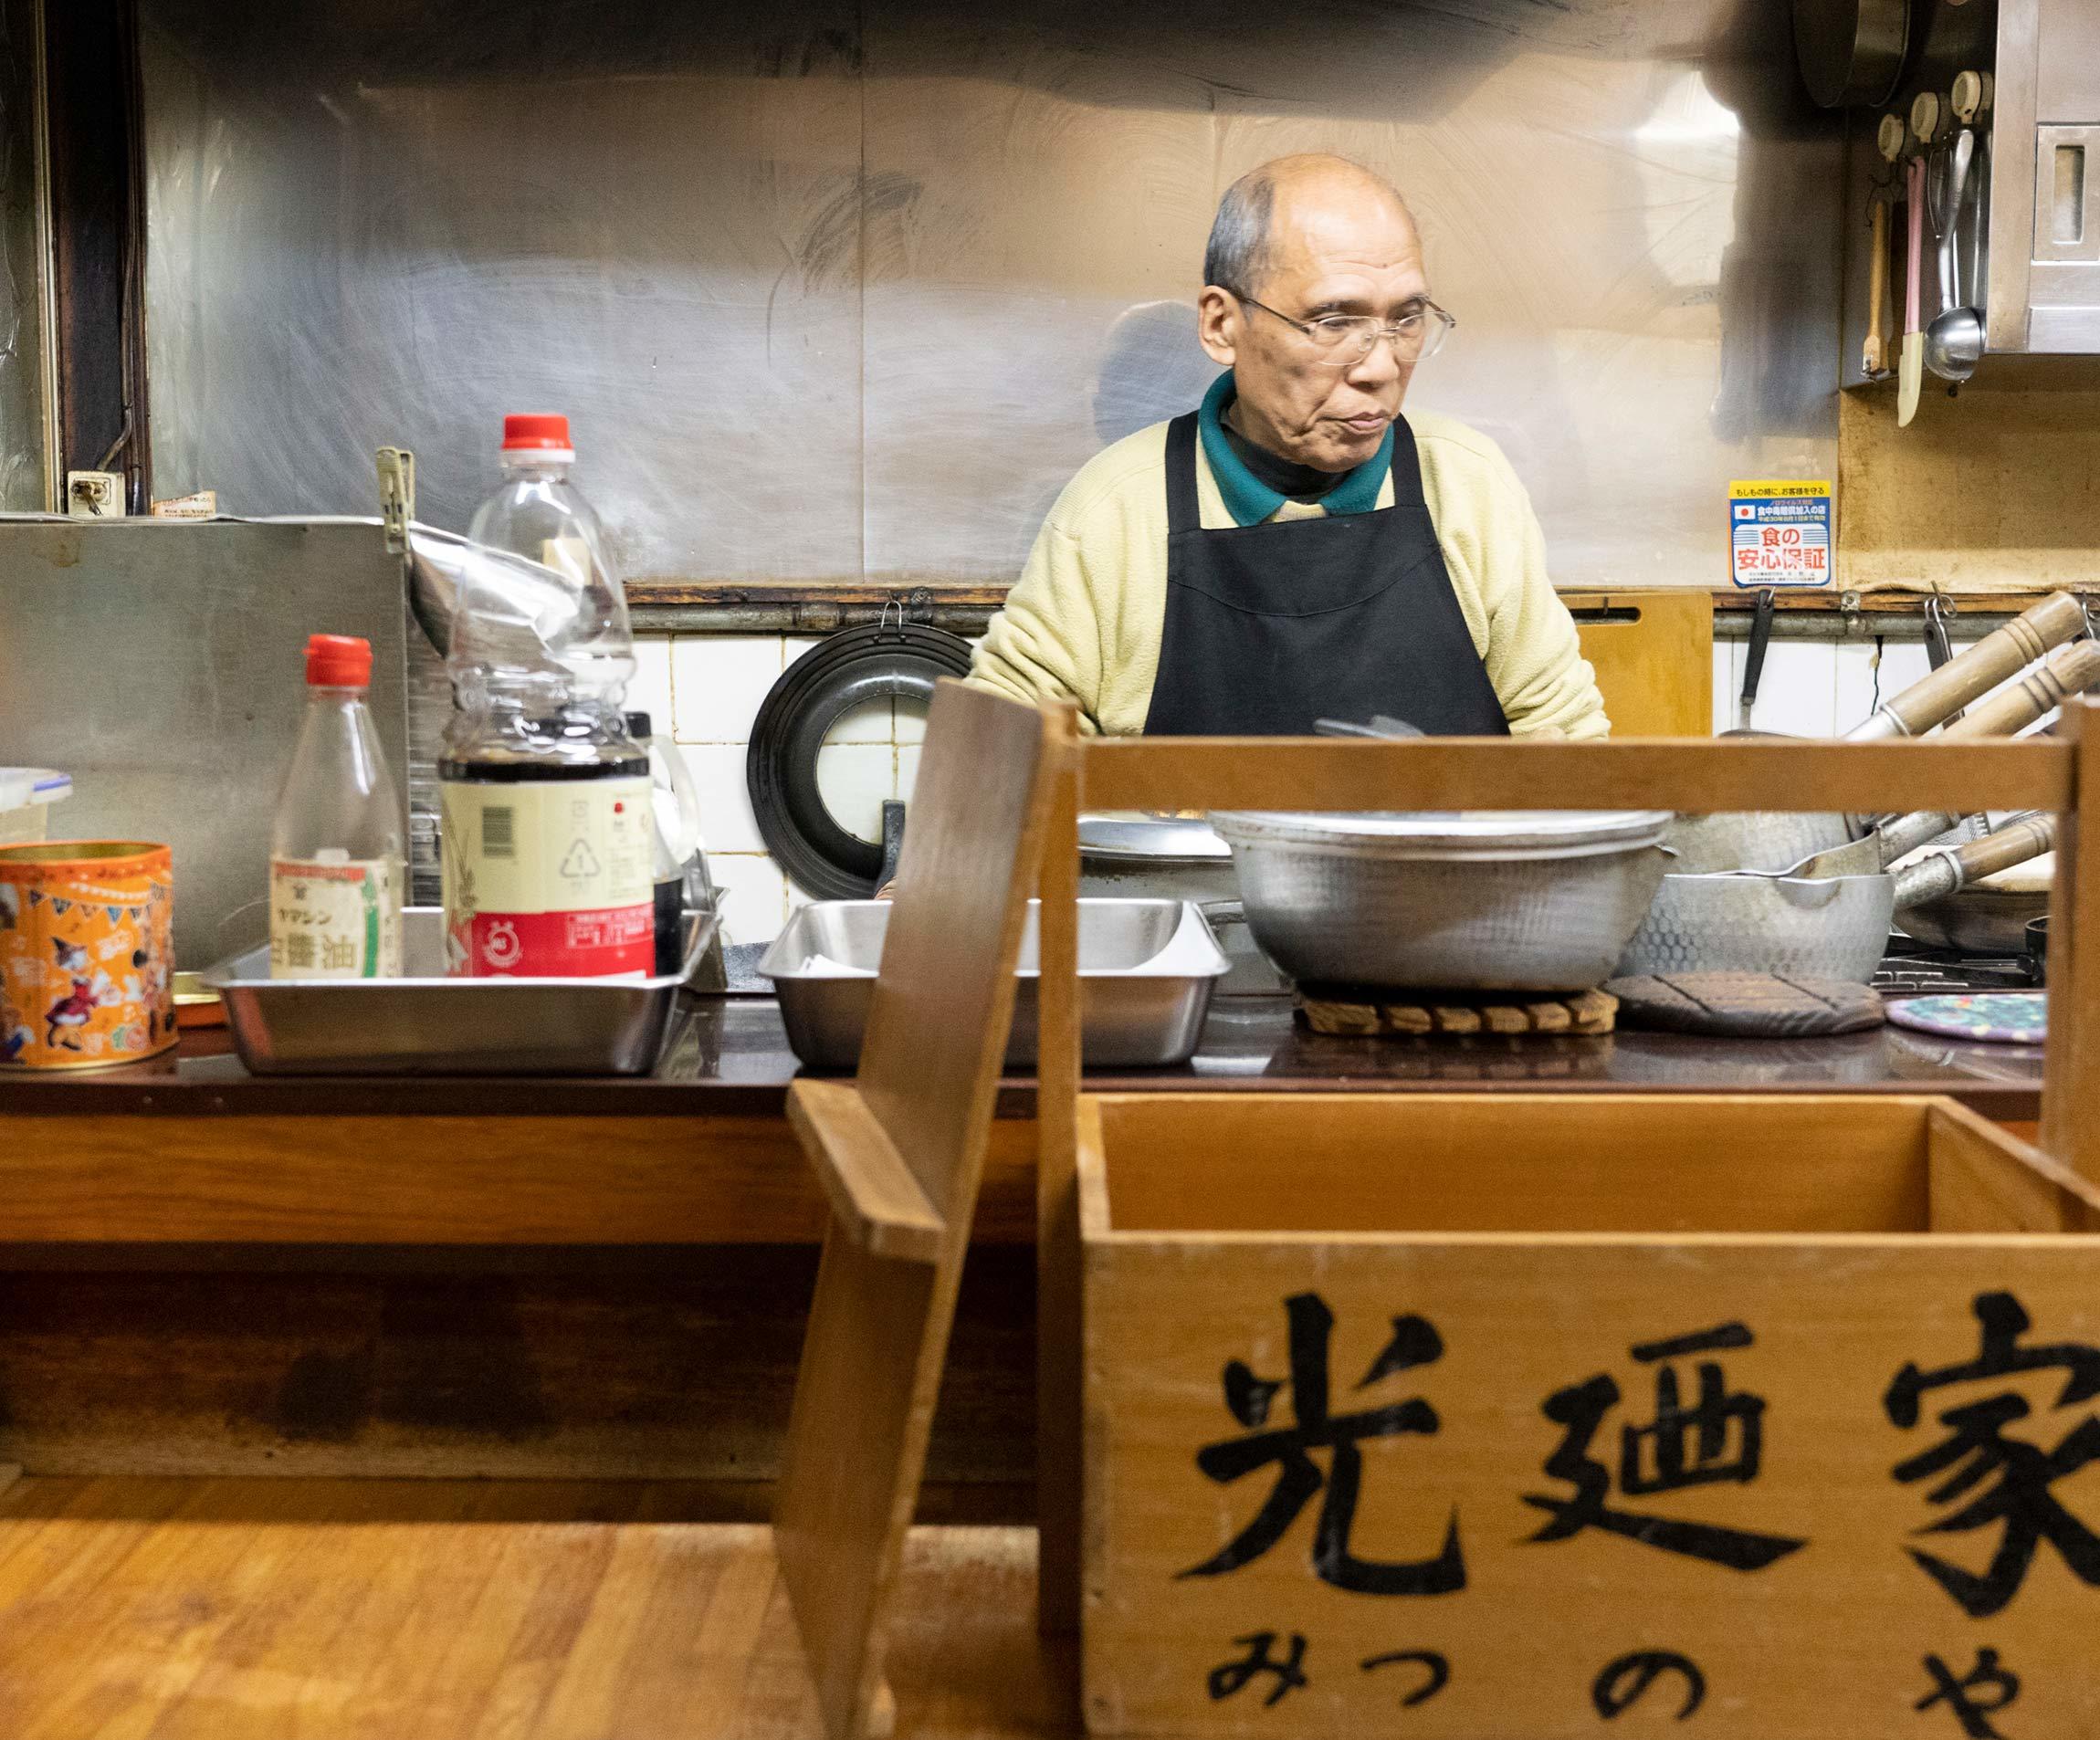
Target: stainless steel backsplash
833, 290
162, 664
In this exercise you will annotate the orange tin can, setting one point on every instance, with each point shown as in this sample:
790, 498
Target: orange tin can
87, 953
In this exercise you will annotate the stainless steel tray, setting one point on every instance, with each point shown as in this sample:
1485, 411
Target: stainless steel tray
431, 1026
1147, 968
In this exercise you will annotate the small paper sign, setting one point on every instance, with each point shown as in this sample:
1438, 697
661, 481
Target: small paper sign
1779, 532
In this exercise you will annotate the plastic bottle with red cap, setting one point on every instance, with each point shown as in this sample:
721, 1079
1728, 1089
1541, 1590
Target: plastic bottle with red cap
547, 842
338, 864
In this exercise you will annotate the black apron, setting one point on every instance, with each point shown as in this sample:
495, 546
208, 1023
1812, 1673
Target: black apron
1273, 627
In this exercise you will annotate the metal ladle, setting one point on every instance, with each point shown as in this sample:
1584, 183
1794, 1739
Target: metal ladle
1954, 341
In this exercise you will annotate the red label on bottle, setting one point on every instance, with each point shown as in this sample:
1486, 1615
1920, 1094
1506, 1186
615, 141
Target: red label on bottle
549, 879
560, 944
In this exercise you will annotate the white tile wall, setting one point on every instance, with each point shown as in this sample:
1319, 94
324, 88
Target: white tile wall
650, 692
1816, 688
1798, 692
855, 780
754, 894
717, 682
726, 819
707, 689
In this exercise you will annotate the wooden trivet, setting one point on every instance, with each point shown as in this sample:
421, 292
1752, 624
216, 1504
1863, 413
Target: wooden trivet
1359, 1009
1747, 1005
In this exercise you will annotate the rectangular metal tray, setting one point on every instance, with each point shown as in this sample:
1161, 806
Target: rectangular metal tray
427, 1024
1147, 968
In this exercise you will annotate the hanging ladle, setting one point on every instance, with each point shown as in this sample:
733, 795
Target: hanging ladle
1954, 341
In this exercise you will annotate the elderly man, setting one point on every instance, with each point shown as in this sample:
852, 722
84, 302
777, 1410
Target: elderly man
1297, 550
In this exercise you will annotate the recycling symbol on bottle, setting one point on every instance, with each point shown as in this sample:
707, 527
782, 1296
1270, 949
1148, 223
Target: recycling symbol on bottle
579, 863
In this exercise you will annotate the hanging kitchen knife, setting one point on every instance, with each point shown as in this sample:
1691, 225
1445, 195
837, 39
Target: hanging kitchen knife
1912, 375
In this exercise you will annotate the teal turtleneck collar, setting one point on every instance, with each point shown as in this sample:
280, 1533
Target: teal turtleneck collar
1248, 499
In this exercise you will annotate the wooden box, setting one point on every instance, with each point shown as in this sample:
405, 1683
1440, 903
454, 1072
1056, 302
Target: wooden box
1481, 1416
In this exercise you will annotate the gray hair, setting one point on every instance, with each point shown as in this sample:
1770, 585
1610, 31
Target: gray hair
1238, 256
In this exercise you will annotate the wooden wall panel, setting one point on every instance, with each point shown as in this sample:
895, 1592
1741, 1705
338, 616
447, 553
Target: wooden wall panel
1995, 489
538, 1365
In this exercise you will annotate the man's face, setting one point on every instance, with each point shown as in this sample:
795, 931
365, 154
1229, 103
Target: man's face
1335, 247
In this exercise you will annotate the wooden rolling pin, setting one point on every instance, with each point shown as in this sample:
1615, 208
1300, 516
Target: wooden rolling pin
1998, 656
2027, 836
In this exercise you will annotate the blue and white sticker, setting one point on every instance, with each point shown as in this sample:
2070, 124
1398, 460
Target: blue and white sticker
1779, 532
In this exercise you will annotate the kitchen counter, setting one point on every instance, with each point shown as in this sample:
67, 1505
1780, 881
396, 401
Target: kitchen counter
207, 1273
732, 1059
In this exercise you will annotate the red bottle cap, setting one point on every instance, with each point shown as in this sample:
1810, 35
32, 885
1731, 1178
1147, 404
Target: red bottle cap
536, 432
338, 661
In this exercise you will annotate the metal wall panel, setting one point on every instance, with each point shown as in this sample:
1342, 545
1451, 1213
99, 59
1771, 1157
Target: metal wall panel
161, 663
850, 292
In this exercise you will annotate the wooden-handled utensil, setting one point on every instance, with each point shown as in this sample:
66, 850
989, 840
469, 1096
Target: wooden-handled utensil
1874, 358
1968, 675
2069, 670
2024, 837
1911, 375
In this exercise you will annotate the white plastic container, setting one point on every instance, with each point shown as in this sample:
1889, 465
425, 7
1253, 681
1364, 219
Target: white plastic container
27, 795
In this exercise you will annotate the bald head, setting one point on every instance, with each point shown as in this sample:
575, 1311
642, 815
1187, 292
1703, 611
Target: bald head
1290, 202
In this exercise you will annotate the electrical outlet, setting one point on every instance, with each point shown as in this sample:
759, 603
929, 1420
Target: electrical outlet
95, 495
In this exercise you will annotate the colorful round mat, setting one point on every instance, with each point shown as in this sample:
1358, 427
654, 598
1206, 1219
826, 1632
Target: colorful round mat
2010, 1017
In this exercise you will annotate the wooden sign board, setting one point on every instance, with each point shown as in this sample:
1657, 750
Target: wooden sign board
1473, 1485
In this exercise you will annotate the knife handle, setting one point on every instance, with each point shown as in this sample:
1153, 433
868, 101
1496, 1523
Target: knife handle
1914, 274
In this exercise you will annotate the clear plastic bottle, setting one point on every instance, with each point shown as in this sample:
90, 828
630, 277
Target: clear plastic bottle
548, 837
683, 884
338, 858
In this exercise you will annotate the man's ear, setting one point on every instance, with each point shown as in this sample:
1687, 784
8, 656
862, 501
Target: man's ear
1218, 317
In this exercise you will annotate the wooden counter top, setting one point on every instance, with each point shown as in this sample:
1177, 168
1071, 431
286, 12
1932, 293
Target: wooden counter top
733, 1061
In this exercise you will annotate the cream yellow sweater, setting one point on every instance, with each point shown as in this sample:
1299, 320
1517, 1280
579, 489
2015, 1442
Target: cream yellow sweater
1083, 621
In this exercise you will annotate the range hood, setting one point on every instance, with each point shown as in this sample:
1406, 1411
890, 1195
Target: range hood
2043, 286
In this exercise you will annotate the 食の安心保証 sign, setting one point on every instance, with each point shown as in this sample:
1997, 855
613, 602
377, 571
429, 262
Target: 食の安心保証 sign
1779, 532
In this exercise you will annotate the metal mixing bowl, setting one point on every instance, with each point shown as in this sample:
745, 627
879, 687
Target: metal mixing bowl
1518, 900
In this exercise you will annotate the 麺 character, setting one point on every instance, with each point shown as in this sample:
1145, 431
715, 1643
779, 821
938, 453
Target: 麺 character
2014, 1476
1718, 1436
1298, 1478
1229, 1677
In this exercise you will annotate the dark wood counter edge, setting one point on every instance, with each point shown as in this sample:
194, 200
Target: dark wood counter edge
670, 604
319, 1097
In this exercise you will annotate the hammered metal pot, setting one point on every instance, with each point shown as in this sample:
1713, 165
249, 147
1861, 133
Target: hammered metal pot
1520, 901
1827, 926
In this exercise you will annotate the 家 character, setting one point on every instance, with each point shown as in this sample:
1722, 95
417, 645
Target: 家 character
1976, 1451
1973, 1715
1228, 1679
1718, 1436
1414, 1343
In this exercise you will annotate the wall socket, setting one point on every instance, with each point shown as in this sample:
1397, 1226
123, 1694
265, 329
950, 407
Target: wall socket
95, 495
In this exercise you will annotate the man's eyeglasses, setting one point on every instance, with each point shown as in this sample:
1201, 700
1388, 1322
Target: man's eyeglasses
1342, 341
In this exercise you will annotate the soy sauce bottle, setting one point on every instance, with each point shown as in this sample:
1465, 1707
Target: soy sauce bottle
548, 840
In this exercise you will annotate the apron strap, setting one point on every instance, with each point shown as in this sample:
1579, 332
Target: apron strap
1406, 469
1183, 513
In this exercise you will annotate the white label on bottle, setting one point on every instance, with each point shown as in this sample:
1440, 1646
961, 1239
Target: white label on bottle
338, 920
551, 877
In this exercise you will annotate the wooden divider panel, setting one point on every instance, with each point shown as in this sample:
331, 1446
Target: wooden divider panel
878, 1329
